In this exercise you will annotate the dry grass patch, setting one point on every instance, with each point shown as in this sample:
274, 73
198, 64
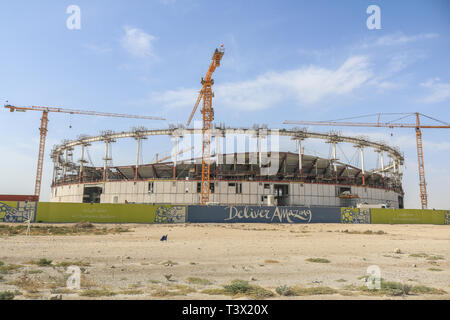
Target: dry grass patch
239, 288
199, 281
379, 232
28, 284
176, 290
41, 262
66, 264
8, 269
131, 292
318, 260
301, 291
435, 269
6, 295
81, 228
93, 293
271, 261
391, 288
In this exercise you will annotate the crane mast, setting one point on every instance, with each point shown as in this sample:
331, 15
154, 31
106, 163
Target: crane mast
44, 128
417, 126
207, 116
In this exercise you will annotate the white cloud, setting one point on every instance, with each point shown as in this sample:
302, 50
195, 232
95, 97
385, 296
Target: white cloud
305, 86
137, 42
399, 38
438, 91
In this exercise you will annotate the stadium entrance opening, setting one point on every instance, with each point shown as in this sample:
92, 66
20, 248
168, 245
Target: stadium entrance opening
92, 194
281, 194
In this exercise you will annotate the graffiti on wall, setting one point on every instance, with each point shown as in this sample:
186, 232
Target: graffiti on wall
22, 212
263, 214
355, 215
270, 214
175, 214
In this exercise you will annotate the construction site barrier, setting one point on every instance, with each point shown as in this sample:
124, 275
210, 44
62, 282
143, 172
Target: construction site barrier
409, 216
54, 212
17, 211
262, 214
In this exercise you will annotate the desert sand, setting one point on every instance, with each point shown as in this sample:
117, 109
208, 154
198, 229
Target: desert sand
267, 255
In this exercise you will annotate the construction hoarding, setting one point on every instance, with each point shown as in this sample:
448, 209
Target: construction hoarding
262, 214
109, 213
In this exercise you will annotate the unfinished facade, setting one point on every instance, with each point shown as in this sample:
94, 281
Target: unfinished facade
259, 176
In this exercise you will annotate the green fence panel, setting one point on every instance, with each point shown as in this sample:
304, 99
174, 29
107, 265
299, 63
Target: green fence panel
409, 216
109, 213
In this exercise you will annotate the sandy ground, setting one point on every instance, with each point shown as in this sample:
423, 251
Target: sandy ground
221, 253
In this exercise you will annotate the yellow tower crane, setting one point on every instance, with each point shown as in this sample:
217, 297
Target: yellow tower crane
43, 130
392, 124
208, 116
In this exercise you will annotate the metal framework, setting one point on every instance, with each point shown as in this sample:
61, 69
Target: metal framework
417, 126
44, 125
292, 167
208, 116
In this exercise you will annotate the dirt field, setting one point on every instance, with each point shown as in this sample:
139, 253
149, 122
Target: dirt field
198, 260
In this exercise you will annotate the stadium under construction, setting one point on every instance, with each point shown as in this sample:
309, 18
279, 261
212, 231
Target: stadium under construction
257, 175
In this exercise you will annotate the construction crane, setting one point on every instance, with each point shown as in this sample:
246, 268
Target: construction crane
392, 124
43, 130
208, 116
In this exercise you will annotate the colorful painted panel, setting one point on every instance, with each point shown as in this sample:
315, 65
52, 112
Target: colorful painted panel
20, 211
355, 215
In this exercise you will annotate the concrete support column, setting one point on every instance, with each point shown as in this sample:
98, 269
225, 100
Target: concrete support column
334, 157
138, 153
105, 166
81, 163
362, 166
300, 157
382, 164
175, 158
66, 158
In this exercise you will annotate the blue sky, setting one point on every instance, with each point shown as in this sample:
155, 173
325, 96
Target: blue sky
302, 60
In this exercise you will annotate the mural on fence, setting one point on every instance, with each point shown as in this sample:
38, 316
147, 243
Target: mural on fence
17, 212
355, 215
447, 217
261, 214
175, 214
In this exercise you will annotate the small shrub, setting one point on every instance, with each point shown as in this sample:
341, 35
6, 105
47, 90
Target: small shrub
97, 293
199, 281
434, 269
6, 295
299, 291
7, 269
240, 287
283, 290
418, 255
41, 262
271, 261
421, 289
66, 264
214, 291
318, 260
84, 225
434, 258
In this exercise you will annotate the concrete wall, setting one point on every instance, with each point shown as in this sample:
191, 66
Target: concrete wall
185, 192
